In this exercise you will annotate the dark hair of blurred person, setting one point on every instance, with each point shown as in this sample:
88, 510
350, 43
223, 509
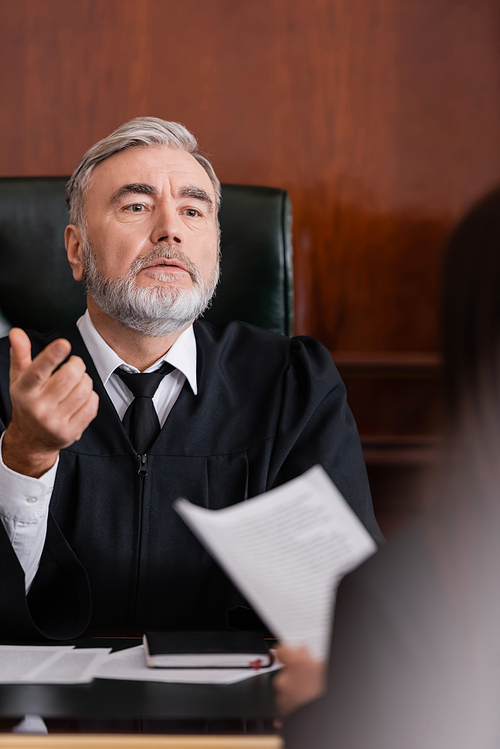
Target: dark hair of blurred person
471, 343
415, 657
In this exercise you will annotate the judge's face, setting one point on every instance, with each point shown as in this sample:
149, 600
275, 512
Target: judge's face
151, 219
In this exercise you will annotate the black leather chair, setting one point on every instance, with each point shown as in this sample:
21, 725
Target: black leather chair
37, 289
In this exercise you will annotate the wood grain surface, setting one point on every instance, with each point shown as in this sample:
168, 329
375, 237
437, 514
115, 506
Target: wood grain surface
100, 741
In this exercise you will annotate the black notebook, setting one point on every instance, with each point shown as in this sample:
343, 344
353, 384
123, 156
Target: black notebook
206, 650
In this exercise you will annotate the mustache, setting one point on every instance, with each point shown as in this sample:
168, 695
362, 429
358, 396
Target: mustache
168, 252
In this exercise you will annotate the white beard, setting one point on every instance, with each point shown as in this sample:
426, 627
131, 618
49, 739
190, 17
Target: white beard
156, 310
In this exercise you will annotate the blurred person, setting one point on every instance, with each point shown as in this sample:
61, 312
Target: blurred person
415, 651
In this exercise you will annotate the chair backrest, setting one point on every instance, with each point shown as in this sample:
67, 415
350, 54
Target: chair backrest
37, 290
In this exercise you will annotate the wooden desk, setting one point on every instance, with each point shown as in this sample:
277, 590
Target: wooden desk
133, 714
97, 741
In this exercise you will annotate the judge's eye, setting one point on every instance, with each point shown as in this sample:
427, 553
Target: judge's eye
192, 212
135, 208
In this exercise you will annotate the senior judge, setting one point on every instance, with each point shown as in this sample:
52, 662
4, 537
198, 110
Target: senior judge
107, 421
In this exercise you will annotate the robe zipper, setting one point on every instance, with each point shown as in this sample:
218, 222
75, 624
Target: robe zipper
143, 466
143, 472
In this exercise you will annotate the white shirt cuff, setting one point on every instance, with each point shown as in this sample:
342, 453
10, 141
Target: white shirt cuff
23, 498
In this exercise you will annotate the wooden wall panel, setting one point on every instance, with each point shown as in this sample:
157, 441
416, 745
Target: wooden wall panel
380, 117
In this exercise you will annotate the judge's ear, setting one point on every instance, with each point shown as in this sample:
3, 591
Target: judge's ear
73, 242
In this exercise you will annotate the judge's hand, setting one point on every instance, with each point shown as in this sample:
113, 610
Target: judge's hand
302, 679
50, 410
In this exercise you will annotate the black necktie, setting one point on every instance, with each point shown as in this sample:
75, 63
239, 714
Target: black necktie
141, 420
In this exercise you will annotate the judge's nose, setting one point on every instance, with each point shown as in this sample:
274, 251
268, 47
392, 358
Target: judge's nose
167, 226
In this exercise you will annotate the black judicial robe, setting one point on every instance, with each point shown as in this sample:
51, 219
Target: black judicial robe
116, 555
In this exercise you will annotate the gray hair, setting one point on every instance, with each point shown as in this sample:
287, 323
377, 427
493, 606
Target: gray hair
141, 131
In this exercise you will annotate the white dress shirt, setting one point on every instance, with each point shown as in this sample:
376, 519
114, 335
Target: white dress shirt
24, 501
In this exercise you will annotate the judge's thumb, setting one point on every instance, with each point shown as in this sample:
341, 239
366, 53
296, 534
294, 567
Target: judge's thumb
20, 353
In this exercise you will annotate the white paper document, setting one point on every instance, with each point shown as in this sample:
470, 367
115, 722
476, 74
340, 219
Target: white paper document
78, 666
287, 551
49, 664
131, 664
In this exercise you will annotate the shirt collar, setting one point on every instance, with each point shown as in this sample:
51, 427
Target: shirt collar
182, 355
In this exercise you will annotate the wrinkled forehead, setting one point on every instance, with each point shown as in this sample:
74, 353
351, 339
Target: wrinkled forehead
164, 168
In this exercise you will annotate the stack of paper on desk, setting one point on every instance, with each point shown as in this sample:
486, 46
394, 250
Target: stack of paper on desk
52, 664
49, 664
287, 550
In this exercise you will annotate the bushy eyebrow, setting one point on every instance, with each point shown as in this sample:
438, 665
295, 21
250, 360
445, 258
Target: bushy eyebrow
134, 188
140, 188
197, 193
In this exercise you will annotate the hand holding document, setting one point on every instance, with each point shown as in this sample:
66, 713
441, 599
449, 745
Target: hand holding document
287, 551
